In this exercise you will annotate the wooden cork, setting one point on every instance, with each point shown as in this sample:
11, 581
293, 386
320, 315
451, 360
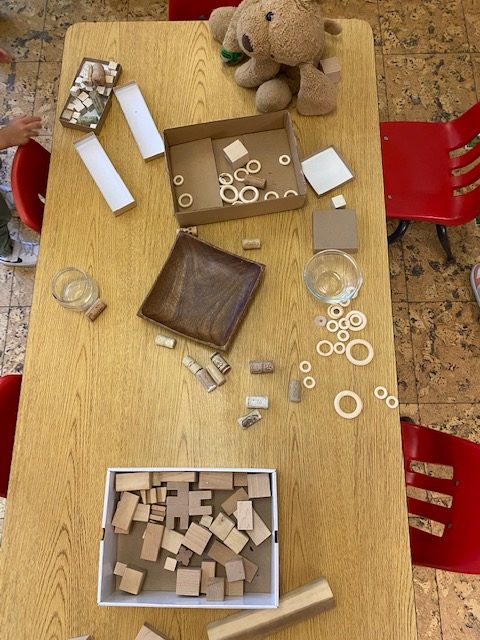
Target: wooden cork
193, 231
220, 362
191, 364
250, 419
216, 374
255, 181
261, 366
206, 380
251, 243
95, 310
294, 391
165, 341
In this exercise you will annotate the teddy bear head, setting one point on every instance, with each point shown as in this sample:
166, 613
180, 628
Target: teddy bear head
290, 32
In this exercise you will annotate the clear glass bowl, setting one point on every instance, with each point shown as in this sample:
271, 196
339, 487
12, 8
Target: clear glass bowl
332, 276
74, 289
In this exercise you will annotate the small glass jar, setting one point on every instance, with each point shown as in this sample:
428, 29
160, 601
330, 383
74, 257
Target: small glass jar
74, 289
332, 276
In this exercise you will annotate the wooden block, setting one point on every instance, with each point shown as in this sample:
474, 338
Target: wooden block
158, 509
222, 526
236, 154
215, 480
338, 202
149, 633
177, 509
331, 68
260, 531
173, 476
83, 96
197, 538
230, 504
236, 540
152, 496
298, 605
81, 638
234, 588
132, 580
172, 541
182, 489
161, 494
152, 541
240, 479
216, 589
143, 496
67, 114
119, 569
335, 230
235, 570
208, 571
126, 507
223, 554
188, 582
244, 515
156, 517
184, 556
170, 564
206, 521
195, 507
142, 513
259, 485
121, 531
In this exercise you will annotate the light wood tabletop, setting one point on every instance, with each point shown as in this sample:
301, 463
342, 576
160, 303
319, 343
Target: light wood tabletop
102, 394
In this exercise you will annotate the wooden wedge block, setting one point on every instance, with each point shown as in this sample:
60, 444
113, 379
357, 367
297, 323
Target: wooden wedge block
133, 481
216, 589
230, 504
132, 580
235, 570
125, 510
244, 515
188, 582
298, 605
208, 571
215, 480
234, 588
152, 541
258, 485
149, 633
223, 554
236, 540
222, 526
172, 541
240, 479
173, 476
142, 513
197, 538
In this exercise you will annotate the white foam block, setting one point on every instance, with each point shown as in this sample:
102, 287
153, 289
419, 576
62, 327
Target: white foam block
140, 120
106, 177
326, 170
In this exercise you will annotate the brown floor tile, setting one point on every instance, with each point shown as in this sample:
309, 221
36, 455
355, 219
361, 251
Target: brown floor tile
381, 87
422, 27
3, 330
476, 72
60, 14
398, 284
426, 604
428, 275
6, 279
360, 9
407, 391
20, 79
16, 340
145, 10
429, 87
410, 410
462, 420
472, 20
446, 350
459, 598
21, 28
46, 95
22, 287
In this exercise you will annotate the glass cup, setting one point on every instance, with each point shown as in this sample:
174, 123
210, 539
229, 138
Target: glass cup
332, 276
74, 289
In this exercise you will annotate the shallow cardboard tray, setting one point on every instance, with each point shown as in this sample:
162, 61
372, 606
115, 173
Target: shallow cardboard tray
196, 153
202, 292
159, 586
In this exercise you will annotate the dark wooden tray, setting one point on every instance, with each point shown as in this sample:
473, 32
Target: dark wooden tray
202, 292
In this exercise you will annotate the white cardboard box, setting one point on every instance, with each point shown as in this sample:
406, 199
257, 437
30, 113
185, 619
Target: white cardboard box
107, 595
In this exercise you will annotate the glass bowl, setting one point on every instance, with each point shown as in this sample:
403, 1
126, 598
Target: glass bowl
332, 276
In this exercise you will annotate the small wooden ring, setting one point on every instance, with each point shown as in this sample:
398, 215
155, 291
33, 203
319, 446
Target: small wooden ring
181, 200
255, 192
229, 187
305, 366
339, 347
357, 319
236, 176
332, 326
257, 165
285, 160
367, 345
309, 382
274, 194
343, 335
380, 392
391, 402
343, 323
348, 394
330, 346
178, 180
290, 192
345, 304
225, 178
335, 311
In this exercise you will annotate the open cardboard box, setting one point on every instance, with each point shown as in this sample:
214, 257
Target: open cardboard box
159, 586
196, 153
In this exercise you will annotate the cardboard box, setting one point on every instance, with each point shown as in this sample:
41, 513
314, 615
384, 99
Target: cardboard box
159, 586
196, 153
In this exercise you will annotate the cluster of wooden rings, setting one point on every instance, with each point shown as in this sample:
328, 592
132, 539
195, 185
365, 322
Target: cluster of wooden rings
382, 394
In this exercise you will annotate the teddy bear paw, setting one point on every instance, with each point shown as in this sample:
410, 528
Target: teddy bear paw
273, 95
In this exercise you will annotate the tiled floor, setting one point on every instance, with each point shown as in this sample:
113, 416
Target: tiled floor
428, 68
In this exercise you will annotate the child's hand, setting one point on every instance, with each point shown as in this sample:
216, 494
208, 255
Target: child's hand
19, 131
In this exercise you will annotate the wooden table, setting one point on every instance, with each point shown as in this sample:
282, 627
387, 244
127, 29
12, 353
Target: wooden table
101, 394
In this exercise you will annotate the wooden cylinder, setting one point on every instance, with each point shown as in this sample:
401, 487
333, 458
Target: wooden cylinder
255, 181
220, 362
95, 310
216, 374
191, 364
261, 366
294, 391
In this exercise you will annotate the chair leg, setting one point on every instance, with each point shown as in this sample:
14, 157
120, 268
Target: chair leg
444, 241
399, 231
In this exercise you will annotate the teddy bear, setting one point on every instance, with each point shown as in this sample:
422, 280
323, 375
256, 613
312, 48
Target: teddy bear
284, 41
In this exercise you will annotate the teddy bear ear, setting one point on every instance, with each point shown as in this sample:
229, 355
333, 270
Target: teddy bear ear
332, 26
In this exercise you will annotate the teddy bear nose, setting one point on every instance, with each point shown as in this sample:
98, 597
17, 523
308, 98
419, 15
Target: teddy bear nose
247, 45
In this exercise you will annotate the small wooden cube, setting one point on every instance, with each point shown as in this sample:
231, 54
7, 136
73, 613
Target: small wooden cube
119, 569
172, 541
142, 513
67, 114
188, 582
237, 154
240, 479
197, 538
259, 485
216, 589
338, 202
206, 521
234, 588
132, 580
235, 570
236, 540
82, 96
170, 564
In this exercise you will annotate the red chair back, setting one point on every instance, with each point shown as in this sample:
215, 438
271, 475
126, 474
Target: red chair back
9, 397
29, 180
193, 10
419, 170
458, 549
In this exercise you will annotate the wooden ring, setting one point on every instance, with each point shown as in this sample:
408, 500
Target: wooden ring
309, 382
339, 347
181, 200
290, 192
343, 335
255, 192
332, 326
357, 319
305, 366
348, 394
225, 178
236, 176
229, 187
380, 392
285, 160
257, 165
335, 311
330, 346
274, 194
392, 402
178, 180
320, 321
345, 304
344, 323
367, 345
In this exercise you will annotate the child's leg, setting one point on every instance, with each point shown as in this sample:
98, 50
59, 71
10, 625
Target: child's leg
5, 240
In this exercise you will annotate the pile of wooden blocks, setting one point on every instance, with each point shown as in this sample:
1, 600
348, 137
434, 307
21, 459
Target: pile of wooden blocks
168, 497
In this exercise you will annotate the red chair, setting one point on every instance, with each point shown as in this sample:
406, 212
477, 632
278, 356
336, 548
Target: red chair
29, 180
192, 10
9, 397
458, 549
417, 173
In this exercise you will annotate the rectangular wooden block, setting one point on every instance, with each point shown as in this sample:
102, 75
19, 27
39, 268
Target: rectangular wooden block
244, 515
125, 510
230, 504
149, 633
132, 580
152, 496
156, 517
172, 541
335, 230
173, 476
295, 606
235, 570
234, 588
240, 479
222, 526
196, 538
170, 564
260, 531
161, 494
152, 542
216, 589
259, 485
215, 480
142, 513
188, 582
159, 509
223, 554
119, 569
236, 540
208, 571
